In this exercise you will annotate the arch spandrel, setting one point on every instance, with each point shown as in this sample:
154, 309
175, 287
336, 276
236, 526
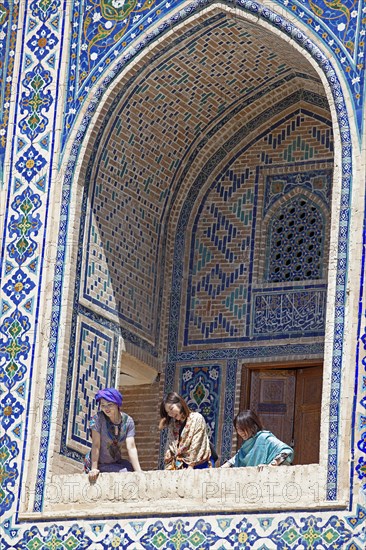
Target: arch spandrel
106, 30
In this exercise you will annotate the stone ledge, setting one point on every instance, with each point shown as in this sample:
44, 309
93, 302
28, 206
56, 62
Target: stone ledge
185, 492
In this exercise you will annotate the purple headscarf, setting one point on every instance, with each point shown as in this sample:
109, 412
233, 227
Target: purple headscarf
109, 394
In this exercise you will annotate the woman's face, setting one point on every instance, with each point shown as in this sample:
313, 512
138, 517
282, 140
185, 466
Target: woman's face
244, 433
109, 409
174, 411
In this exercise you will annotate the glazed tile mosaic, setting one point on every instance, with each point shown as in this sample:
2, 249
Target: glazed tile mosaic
97, 33
164, 147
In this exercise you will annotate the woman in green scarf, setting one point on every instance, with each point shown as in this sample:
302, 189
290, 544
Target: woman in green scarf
259, 446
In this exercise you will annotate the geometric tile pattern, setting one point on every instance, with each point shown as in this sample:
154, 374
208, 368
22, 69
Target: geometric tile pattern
227, 230
92, 372
93, 364
300, 258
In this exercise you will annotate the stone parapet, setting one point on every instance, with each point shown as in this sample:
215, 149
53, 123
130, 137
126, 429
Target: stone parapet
184, 492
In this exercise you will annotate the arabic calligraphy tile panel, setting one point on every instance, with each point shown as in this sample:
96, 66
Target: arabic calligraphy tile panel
291, 312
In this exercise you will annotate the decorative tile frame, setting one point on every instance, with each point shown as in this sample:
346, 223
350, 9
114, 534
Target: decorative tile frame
94, 365
346, 152
16, 327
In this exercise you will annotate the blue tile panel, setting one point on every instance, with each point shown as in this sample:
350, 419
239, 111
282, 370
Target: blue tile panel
200, 386
91, 372
227, 232
307, 531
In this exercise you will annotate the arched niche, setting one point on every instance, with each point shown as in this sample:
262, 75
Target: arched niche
81, 151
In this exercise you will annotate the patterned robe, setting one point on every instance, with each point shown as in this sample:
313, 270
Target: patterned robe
192, 447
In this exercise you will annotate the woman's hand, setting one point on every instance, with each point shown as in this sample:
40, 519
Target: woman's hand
93, 474
226, 465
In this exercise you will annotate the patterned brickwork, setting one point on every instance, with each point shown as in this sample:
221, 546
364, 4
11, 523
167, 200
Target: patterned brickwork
145, 145
226, 235
94, 356
101, 29
93, 364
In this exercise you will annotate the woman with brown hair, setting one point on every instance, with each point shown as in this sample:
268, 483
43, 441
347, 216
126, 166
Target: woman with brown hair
188, 445
259, 446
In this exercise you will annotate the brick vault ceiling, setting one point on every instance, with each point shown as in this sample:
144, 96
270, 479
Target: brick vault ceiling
224, 63
209, 79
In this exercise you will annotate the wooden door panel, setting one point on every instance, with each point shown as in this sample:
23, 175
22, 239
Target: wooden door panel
272, 397
306, 440
307, 415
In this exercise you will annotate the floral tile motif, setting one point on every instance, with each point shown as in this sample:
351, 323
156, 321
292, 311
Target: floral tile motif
237, 532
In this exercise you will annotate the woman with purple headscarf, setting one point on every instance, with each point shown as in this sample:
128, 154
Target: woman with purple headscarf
110, 428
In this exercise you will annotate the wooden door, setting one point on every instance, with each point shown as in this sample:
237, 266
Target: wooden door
307, 415
288, 400
272, 397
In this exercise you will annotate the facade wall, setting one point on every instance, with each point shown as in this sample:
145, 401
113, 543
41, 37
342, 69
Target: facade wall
65, 69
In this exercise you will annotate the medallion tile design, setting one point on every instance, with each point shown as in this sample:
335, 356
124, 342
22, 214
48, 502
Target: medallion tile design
54, 537
200, 386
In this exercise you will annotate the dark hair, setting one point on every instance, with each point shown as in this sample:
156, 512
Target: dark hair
173, 398
248, 421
